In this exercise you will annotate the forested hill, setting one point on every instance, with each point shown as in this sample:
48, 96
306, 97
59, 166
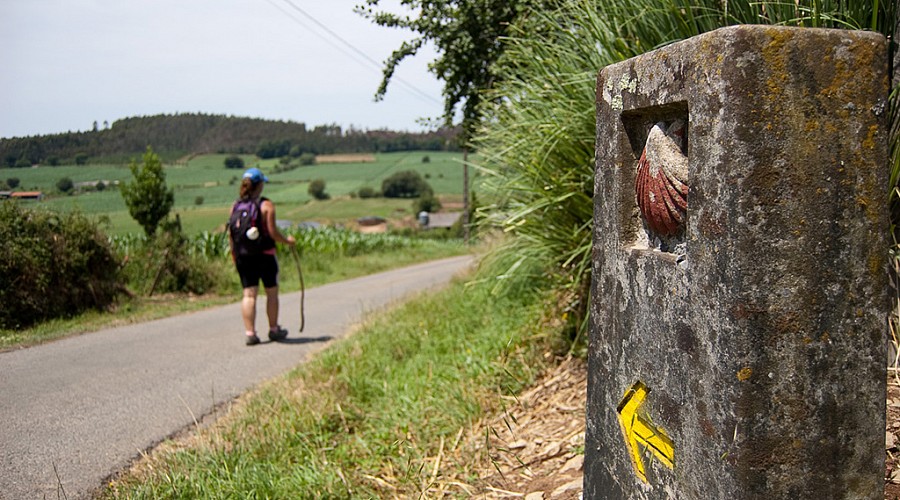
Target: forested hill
174, 136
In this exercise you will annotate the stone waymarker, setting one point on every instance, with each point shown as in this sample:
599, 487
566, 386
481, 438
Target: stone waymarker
740, 295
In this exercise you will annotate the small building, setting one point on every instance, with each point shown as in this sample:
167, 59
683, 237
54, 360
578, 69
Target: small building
27, 195
442, 219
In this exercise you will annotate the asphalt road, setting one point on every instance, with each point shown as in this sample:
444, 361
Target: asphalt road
75, 411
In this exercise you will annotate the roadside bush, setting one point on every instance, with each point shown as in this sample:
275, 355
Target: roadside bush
171, 263
52, 265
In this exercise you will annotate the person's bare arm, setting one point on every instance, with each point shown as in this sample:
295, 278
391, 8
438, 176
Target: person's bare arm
268, 210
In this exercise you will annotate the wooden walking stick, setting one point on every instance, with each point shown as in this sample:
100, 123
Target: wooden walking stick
302, 287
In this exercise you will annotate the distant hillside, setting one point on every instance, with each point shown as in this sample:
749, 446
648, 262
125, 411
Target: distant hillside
174, 136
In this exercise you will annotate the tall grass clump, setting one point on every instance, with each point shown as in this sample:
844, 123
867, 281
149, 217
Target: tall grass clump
52, 265
362, 419
537, 141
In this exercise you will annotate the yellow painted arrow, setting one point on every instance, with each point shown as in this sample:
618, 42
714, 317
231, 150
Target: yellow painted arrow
639, 431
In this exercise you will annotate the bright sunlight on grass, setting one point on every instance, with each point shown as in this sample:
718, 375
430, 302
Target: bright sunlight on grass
360, 419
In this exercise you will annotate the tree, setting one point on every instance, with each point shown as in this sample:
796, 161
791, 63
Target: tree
317, 189
81, 159
405, 184
12, 182
234, 161
427, 203
65, 185
147, 197
468, 37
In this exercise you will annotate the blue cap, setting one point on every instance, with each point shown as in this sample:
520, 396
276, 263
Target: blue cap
255, 175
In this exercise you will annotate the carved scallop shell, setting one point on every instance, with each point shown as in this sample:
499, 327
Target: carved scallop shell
661, 182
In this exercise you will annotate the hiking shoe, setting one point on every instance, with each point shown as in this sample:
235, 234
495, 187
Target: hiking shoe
277, 334
252, 340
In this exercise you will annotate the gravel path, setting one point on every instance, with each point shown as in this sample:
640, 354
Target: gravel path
79, 409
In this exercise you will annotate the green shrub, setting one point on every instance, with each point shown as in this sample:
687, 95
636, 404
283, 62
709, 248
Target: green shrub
366, 192
317, 189
406, 184
172, 262
65, 184
428, 202
52, 265
234, 161
307, 159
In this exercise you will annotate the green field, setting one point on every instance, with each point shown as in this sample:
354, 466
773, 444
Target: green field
206, 176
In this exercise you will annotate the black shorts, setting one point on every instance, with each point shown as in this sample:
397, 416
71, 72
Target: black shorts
258, 267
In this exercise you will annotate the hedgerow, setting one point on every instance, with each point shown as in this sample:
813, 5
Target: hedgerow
52, 265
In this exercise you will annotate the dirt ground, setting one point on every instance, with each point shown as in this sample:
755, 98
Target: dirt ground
536, 447
892, 439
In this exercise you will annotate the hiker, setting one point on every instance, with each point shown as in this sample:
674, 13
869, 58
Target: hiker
253, 236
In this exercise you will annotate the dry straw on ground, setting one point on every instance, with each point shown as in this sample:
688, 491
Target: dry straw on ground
533, 449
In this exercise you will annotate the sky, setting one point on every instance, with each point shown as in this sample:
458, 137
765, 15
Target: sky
65, 64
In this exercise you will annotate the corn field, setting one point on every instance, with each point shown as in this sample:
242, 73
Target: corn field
329, 241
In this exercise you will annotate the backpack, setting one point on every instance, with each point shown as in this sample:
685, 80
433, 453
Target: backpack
246, 215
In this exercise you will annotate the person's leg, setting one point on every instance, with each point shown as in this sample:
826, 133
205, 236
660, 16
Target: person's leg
270, 282
248, 309
272, 307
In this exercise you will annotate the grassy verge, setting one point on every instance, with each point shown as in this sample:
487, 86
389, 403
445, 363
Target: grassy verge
318, 269
360, 419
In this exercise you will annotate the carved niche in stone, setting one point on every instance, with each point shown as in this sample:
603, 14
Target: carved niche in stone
661, 183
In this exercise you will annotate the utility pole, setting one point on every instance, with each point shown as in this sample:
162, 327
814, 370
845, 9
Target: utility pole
465, 217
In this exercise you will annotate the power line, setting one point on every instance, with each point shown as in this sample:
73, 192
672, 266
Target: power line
356, 53
311, 30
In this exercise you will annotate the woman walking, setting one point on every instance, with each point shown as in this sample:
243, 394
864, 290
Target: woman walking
253, 237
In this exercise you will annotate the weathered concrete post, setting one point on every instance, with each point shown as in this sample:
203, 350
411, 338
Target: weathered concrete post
740, 289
